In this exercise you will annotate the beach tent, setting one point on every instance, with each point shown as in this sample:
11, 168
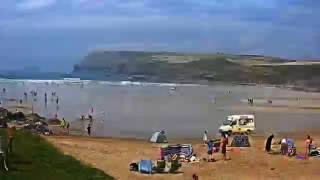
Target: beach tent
158, 137
240, 141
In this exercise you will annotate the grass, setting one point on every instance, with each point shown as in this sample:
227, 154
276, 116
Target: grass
35, 159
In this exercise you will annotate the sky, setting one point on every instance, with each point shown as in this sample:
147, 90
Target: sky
55, 34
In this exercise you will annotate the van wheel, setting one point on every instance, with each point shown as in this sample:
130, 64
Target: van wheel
248, 131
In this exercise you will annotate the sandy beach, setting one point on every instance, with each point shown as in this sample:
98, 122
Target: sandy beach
113, 155
293, 114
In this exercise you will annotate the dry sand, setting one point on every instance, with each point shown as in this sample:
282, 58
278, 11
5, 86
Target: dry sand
113, 156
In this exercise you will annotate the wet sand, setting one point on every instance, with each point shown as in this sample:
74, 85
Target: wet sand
113, 156
138, 109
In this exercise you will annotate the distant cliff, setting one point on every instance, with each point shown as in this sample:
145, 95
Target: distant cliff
194, 68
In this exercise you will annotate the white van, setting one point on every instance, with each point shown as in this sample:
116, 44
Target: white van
238, 124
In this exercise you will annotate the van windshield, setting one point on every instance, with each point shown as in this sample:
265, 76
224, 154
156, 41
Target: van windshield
226, 122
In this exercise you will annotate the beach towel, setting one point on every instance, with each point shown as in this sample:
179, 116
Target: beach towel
145, 166
301, 157
181, 150
240, 141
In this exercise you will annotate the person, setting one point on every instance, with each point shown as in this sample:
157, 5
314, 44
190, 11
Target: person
210, 150
268, 143
11, 131
205, 137
308, 143
82, 117
25, 95
89, 129
64, 123
68, 127
20, 101
45, 98
224, 142
284, 146
57, 101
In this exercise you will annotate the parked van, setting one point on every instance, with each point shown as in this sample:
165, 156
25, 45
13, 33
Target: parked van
238, 124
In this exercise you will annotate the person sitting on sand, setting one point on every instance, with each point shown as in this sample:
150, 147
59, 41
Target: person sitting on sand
308, 143
205, 137
268, 143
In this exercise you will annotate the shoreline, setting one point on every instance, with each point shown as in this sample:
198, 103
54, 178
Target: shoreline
292, 87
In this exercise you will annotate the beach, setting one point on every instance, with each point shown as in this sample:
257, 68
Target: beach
125, 116
113, 156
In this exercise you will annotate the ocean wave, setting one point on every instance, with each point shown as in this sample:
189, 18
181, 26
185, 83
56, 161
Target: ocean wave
94, 82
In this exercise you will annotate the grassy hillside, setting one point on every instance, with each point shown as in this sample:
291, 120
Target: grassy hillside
193, 67
34, 158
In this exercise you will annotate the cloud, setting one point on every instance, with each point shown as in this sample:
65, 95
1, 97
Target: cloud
287, 28
34, 4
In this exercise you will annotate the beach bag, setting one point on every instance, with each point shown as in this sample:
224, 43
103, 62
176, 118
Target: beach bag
145, 166
133, 167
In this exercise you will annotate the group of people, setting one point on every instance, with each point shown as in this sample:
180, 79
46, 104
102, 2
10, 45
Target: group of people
285, 143
210, 144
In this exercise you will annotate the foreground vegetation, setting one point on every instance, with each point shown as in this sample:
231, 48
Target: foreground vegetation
35, 159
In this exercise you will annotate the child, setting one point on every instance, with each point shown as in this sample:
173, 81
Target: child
210, 151
205, 137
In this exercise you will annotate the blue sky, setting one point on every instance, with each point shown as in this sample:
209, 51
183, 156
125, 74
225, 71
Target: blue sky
57, 33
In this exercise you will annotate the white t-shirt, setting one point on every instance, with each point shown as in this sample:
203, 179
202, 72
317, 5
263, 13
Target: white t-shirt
205, 137
283, 141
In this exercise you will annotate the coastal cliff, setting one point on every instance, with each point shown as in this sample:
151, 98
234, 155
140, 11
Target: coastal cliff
196, 68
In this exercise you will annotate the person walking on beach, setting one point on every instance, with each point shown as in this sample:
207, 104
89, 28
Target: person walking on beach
205, 137
308, 144
224, 142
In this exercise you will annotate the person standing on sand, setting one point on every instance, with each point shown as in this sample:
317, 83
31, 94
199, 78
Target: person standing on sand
205, 137
68, 127
224, 142
210, 151
89, 129
284, 146
308, 143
